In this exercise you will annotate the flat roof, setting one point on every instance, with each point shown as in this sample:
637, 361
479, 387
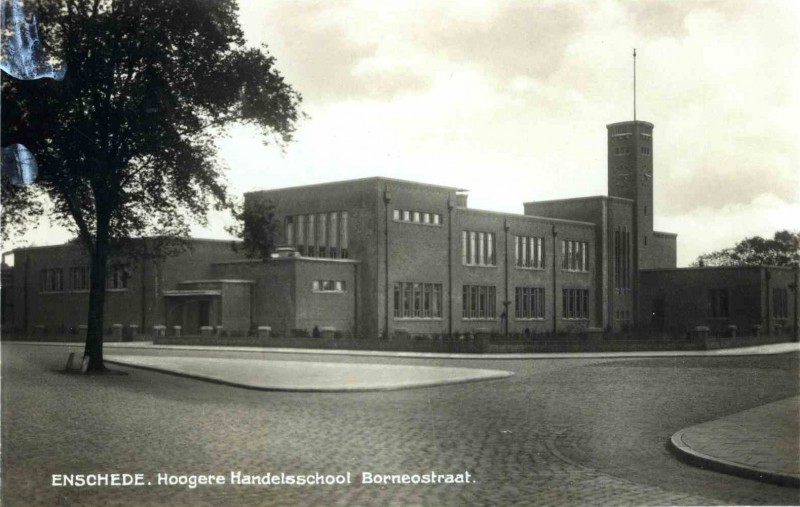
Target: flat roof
532, 217
77, 244
711, 268
587, 198
630, 122
361, 180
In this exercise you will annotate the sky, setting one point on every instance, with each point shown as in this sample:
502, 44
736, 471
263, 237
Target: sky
510, 99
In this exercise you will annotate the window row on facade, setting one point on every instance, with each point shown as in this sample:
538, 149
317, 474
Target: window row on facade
529, 303
52, 279
575, 303
323, 235
478, 248
479, 302
416, 300
529, 252
328, 286
417, 217
574, 255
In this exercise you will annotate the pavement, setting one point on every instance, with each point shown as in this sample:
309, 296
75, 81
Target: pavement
309, 376
760, 443
587, 431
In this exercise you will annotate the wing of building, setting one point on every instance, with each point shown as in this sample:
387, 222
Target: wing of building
381, 257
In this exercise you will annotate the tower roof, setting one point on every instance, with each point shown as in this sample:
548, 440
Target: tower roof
630, 122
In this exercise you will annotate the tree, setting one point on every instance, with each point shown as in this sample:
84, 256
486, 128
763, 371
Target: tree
125, 144
255, 227
782, 250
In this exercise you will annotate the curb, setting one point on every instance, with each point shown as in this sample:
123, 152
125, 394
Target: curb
693, 457
252, 387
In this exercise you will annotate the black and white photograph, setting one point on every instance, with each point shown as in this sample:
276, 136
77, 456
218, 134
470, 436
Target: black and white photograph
385, 253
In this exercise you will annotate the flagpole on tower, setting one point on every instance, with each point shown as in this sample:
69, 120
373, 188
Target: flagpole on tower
634, 84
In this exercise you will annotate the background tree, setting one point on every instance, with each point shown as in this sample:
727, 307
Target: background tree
126, 143
256, 228
22, 209
782, 250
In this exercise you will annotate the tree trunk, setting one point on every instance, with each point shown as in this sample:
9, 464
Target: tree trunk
97, 296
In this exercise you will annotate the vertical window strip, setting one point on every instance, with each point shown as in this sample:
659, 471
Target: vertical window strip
290, 231
312, 237
464, 247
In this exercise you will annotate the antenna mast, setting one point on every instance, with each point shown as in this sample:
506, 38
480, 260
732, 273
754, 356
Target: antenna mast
634, 84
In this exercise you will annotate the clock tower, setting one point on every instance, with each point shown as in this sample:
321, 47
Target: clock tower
630, 175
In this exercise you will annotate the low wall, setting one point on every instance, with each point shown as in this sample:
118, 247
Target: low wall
477, 345
474, 345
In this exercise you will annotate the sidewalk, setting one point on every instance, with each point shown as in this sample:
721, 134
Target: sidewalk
308, 376
762, 443
775, 348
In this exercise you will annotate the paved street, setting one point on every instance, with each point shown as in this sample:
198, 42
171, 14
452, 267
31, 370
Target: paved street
560, 431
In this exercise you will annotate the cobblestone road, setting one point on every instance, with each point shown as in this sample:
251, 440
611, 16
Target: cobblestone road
589, 432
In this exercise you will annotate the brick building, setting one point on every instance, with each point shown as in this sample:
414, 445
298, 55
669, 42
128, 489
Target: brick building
384, 257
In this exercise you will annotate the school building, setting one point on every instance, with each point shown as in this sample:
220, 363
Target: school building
381, 257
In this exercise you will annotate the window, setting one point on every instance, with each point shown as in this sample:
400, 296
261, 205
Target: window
622, 258
780, 303
477, 248
51, 280
645, 150
118, 277
417, 217
290, 230
312, 237
79, 278
478, 302
529, 303
414, 300
574, 255
323, 235
529, 252
344, 239
575, 303
328, 286
622, 150
718, 302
